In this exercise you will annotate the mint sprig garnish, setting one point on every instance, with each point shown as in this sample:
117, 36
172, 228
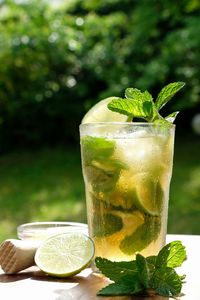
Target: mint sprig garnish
137, 104
167, 93
131, 108
142, 275
171, 117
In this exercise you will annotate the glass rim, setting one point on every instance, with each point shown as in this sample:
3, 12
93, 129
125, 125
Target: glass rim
27, 229
39, 225
171, 125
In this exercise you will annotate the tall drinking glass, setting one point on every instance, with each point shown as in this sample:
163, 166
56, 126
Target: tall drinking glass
127, 169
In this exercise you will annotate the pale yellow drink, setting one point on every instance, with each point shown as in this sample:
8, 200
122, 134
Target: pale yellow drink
127, 170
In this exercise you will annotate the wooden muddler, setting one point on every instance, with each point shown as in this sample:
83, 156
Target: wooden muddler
17, 255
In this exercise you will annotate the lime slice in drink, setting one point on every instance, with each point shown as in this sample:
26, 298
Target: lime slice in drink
149, 194
65, 254
100, 113
140, 238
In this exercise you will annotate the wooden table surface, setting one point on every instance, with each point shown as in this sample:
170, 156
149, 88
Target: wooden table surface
33, 284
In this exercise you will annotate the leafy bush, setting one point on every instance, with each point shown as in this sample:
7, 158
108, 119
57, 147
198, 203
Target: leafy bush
56, 61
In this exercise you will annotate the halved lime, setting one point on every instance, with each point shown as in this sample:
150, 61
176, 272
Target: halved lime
100, 113
65, 254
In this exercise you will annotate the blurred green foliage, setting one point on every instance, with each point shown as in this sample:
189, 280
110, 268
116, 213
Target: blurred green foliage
40, 185
56, 61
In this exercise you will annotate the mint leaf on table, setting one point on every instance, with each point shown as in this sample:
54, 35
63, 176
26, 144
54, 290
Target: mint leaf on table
116, 271
143, 274
123, 273
152, 260
144, 270
117, 289
171, 255
166, 282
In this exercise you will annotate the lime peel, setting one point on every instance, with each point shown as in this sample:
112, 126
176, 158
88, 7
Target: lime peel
65, 254
149, 195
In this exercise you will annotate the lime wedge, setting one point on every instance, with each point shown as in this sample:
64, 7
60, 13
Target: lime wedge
65, 254
149, 194
142, 236
100, 113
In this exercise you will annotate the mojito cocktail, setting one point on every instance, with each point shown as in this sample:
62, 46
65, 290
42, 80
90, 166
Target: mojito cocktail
127, 169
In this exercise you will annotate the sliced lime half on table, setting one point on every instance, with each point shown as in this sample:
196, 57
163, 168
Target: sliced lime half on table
65, 254
100, 113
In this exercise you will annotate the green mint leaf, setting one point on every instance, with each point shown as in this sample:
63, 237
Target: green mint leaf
101, 180
162, 122
104, 173
171, 255
144, 99
129, 108
142, 236
133, 93
171, 118
182, 277
106, 224
167, 93
100, 169
116, 271
147, 96
151, 260
120, 289
144, 272
136, 105
139, 104
166, 282
98, 204
148, 109
96, 148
